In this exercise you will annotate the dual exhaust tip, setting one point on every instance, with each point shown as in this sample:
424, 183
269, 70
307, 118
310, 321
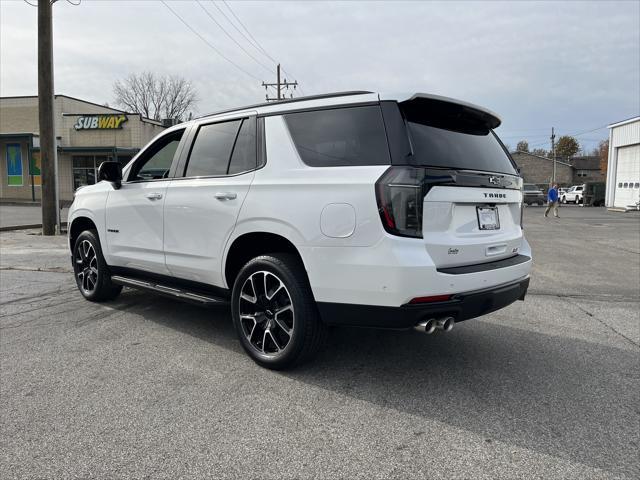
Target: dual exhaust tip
429, 326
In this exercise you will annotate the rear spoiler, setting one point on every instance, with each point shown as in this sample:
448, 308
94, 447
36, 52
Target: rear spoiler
450, 106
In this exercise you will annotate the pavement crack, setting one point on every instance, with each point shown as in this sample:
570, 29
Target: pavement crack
38, 269
592, 315
608, 297
40, 296
43, 307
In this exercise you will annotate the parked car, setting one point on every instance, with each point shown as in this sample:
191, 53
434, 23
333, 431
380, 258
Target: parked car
573, 195
561, 192
533, 194
343, 209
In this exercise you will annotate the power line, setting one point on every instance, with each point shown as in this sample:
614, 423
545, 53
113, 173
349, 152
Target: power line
571, 135
255, 42
279, 85
252, 41
269, 69
208, 43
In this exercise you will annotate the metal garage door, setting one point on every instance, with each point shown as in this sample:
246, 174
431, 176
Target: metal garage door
628, 177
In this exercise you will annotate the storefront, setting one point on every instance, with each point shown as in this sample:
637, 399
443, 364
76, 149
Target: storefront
87, 134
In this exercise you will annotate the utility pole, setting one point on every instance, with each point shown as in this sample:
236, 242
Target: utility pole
47, 125
553, 151
279, 86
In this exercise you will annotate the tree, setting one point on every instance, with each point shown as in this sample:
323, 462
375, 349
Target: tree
522, 146
567, 146
603, 153
540, 152
156, 97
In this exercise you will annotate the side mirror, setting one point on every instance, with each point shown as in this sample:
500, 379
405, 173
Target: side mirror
111, 172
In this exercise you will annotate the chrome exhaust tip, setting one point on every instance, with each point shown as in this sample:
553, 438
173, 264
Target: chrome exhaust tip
428, 326
446, 324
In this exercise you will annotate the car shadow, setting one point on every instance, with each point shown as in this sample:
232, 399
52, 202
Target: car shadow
559, 396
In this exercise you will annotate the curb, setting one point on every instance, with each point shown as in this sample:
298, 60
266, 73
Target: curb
11, 228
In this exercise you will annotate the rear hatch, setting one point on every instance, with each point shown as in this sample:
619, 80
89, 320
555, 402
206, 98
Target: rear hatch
452, 184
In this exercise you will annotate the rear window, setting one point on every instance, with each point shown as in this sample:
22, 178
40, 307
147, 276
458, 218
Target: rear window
351, 136
212, 149
445, 135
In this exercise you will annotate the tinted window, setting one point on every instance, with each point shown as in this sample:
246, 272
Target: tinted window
445, 137
156, 160
244, 152
340, 137
212, 149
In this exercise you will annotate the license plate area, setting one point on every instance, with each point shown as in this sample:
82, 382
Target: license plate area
488, 218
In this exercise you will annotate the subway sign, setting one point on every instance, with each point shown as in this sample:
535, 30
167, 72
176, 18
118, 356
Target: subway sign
100, 122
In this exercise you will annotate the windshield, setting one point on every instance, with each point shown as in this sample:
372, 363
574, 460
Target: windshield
449, 137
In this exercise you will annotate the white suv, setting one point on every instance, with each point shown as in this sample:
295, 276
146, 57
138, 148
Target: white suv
344, 209
573, 195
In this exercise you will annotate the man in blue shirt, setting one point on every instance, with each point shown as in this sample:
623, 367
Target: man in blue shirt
552, 197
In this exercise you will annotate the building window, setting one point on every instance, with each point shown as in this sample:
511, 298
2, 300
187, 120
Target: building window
85, 169
637, 185
619, 184
14, 164
626, 185
583, 173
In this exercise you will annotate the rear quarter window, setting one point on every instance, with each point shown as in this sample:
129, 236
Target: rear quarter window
353, 136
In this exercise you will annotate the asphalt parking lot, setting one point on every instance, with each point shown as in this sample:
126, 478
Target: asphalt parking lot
148, 387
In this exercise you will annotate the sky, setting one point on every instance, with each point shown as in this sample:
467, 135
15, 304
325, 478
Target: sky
571, 65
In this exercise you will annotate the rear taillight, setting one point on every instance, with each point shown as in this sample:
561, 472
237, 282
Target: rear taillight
400, 193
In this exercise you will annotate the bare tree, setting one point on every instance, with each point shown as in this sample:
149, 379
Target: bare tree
540, 152
522, 146
155, 96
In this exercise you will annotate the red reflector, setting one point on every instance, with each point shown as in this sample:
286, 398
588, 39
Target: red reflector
433, 298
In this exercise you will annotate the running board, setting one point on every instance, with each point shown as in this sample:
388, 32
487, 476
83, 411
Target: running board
172, 292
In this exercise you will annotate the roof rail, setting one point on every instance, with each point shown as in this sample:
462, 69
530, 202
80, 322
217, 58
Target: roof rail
288, 100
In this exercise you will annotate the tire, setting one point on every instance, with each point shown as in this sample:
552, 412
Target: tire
90, 270
564, 200
271, 295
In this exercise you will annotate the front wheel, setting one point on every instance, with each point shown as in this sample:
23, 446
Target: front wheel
90, 269
274, 312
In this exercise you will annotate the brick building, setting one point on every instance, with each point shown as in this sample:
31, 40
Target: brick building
587, 169
539, 170
87, 134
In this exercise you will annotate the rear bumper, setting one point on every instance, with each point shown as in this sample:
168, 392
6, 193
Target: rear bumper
462, 306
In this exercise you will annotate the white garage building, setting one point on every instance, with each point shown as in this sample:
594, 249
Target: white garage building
623, 170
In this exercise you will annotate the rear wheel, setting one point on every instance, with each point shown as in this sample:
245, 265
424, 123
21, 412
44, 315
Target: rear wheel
90, 269
274, 312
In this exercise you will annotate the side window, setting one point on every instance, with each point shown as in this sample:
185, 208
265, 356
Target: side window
351, 136
156, 161
211, 149
244, 152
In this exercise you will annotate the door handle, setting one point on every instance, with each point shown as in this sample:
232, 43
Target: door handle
154, 196
225, 195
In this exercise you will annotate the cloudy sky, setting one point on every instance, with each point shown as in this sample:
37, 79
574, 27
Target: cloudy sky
572, 65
